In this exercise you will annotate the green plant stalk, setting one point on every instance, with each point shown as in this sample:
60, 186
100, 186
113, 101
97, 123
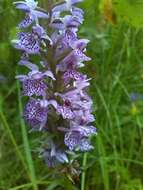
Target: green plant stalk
83, 175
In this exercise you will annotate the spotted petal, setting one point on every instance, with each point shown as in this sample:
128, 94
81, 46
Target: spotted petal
72, 139
28, 43
34, 113
34, 87
27, 21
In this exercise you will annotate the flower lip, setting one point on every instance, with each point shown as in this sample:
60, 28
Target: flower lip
35, 114
30, 42
74, 140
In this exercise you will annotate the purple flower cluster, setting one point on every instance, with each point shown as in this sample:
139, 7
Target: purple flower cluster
58, 101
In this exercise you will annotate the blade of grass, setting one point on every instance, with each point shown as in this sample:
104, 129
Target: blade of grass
139, 124
117, 119
7, 127
83, 175
29, 185
26, 143
109, 158
103, 163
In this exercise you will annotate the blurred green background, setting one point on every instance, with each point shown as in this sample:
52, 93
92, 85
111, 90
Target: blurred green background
115, 31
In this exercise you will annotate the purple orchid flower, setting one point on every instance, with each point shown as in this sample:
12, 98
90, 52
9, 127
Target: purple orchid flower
35, 114
74, 140
33, 83
30, 6
30, 41
58, 104
53, 155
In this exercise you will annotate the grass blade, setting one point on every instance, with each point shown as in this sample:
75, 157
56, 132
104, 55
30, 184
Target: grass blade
7, 127
83, 175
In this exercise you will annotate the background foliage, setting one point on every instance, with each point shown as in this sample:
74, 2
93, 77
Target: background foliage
115, 30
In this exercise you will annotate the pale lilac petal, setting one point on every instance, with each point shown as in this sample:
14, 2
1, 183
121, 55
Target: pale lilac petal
80, 44
84, 130
75, 1
60, 8
65, 112
62, 157
53, 103
85, 145
49, 74
40, 14
21, 77
29, 65
22, 6
44, 103
81, 84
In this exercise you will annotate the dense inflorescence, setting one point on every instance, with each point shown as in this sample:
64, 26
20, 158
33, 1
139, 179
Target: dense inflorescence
58, 101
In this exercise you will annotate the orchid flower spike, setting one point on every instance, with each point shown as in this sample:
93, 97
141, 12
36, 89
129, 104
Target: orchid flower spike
58, 102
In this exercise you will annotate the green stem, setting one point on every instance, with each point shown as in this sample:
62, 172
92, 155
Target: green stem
83, 175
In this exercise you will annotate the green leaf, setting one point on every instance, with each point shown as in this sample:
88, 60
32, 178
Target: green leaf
130, 11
